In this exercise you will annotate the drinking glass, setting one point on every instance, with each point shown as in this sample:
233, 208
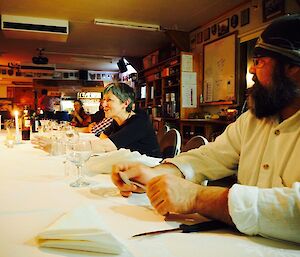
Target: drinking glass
10, 135
79, 152
71, 134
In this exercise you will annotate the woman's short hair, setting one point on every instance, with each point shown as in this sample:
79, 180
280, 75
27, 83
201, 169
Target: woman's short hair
123, 92
78, 101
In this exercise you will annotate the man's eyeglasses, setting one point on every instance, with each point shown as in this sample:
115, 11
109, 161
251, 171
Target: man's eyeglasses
258, 62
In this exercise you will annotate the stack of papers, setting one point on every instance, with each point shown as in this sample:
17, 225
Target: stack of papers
80, 229
104, 162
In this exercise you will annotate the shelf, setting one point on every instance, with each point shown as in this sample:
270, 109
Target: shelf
160, 63
172, 75
171, 119
217, 103
173, 86
223, 122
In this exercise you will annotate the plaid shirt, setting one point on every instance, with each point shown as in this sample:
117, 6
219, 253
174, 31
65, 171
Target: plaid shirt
101, 126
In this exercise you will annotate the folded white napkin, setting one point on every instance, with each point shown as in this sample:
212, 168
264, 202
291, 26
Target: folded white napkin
104, 162
80, 229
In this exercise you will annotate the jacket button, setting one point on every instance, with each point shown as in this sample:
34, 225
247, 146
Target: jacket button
277, 132
266, 166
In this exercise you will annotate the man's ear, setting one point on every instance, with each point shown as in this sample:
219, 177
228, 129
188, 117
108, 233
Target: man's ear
293, 71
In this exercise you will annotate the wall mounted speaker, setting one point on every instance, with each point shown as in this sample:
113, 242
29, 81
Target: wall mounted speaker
122, 66
83, 74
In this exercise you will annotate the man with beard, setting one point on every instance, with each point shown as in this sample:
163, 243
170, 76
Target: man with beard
262, 148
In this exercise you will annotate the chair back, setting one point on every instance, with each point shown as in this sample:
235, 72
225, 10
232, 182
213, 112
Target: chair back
194, 142
170, 143
62, 116
162, 131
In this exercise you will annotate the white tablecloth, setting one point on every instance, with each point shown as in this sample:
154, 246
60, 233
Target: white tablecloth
34, 192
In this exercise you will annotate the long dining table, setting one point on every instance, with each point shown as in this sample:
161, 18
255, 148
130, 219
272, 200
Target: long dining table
35, 191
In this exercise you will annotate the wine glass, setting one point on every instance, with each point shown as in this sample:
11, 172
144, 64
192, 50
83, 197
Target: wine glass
79, 152
71, 135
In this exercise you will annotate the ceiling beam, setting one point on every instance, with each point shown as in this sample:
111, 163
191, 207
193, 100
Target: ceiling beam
136, 62
180, 39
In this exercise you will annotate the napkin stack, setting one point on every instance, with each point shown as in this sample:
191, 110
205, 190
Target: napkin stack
104, 162
80, 229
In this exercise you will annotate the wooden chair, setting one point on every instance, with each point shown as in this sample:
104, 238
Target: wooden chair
170, 143
194, 142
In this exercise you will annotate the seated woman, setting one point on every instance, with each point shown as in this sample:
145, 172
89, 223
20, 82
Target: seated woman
80, 117
129, 130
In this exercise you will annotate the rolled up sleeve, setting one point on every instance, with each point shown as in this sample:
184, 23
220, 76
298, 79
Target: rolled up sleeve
272, 212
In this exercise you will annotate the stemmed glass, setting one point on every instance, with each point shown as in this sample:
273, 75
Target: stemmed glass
79, 152
70, 136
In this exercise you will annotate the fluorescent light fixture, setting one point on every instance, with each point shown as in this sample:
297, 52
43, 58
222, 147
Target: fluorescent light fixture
82, 56
127, 24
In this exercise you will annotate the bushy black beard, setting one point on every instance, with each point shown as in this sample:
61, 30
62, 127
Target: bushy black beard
268, 101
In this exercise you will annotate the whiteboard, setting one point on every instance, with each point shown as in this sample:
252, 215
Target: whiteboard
219, 69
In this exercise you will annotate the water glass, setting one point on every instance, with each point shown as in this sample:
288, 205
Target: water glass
78, 153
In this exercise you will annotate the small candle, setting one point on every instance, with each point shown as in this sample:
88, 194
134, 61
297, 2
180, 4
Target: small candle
17, 126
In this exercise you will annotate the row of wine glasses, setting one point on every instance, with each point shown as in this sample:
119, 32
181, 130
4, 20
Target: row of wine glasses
65, 140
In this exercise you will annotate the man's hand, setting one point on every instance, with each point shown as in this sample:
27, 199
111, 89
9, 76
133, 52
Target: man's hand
169, 193
43, 143
135, 172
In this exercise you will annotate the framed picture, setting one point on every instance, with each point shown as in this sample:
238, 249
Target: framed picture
214, 29
193, 42
199, 38
206, 34
245, 17
234, 21
223, 27
272, 9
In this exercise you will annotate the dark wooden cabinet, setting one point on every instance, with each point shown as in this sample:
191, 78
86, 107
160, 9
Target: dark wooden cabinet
204, 127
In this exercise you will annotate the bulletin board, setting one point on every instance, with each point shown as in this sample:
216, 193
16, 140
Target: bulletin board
219, 70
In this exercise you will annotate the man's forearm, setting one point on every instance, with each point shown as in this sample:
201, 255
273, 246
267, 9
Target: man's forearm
167, 168
212, 202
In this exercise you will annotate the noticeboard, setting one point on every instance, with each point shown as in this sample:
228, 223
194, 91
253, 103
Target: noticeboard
219, 70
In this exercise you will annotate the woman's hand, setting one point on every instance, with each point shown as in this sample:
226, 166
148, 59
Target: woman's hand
90, 126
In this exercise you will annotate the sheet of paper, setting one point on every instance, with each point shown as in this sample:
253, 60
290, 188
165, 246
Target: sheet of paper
189, 90
208, 92
187, 62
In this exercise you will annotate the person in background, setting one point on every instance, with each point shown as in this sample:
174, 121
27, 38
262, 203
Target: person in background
79, 117
262, 147
99, 122
129, 130
46, 104
99, 115
101, 126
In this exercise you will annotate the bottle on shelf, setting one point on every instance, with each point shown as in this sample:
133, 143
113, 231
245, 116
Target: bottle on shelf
26, 124
35, 123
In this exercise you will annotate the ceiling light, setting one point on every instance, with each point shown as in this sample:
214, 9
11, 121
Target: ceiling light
81, 55
127, 24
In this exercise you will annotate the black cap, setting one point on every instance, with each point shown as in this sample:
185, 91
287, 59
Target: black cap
281, 40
